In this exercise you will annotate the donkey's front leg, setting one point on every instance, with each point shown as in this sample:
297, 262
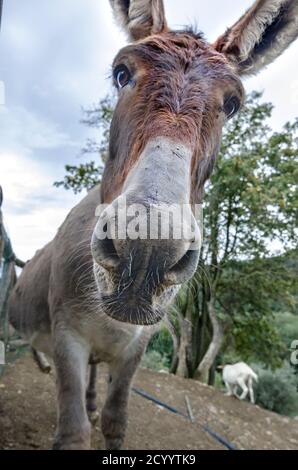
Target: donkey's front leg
71, 357
114, 413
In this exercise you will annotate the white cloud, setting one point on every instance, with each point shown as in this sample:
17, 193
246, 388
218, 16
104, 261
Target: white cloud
21, 129
33, 209
22, 39
280, 85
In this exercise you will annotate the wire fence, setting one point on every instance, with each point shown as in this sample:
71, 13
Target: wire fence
1, 10
8, 263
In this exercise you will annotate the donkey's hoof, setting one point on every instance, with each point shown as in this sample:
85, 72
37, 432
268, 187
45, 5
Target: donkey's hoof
114, 444
93, 417
72, 443
46, 369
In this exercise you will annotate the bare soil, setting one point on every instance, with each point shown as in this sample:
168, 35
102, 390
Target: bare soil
28, 414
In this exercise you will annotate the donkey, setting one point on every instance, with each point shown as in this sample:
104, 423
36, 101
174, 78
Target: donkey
85, 298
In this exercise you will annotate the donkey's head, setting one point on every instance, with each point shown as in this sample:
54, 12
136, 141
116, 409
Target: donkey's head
175, 92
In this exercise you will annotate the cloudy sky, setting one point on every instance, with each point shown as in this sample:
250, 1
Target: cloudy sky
55, 57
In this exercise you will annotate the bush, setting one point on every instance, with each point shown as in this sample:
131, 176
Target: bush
287, 324
155, 361
160, 348
276, 391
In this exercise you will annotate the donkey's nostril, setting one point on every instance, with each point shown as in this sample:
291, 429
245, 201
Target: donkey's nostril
182, 263
109, 248
105, 228
105, 253
184, 269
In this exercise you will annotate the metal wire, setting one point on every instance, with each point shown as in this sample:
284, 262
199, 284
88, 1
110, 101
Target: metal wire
1, 9
205, 428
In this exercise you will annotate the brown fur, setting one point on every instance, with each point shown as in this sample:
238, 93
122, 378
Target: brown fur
182, 100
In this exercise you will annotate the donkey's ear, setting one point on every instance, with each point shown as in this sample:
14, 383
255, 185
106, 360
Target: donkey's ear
260, 35
140, 18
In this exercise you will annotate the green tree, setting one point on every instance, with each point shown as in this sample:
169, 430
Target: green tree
87, 175
250, 207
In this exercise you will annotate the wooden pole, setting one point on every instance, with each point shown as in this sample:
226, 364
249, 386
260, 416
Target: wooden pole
189, 409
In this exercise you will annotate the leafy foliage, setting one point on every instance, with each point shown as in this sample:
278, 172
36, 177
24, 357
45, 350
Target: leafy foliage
259, 284
86, 176
154, 360
162, 343
250, 211
276, 391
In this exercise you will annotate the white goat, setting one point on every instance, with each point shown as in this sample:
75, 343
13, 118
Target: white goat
241, 375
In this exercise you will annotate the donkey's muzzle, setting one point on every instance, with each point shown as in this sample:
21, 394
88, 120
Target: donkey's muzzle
148, 238
141, 273
145, 242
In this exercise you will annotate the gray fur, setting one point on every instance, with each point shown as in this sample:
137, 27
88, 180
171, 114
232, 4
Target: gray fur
139, 18
261, 35
61, 317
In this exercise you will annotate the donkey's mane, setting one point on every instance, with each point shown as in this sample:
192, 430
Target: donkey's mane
191, 31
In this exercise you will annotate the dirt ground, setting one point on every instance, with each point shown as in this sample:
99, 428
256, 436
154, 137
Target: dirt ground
28, 413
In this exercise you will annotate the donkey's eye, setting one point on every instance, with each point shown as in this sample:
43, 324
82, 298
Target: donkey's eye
231, 106
121, 76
